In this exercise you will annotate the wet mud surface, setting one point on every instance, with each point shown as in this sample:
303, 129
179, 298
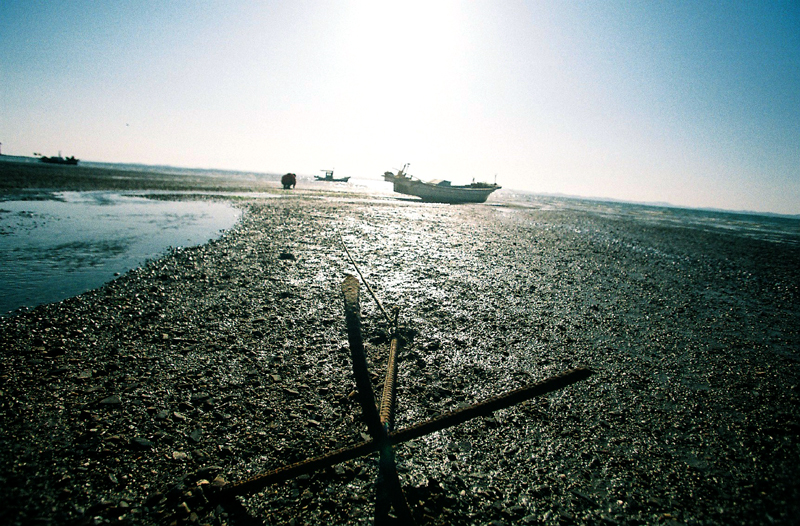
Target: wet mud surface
218, 362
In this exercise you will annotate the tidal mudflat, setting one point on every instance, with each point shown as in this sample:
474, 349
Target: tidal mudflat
217, 362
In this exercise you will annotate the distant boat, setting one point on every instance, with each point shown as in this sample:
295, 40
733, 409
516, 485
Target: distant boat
58, 159
329, 177
439, 191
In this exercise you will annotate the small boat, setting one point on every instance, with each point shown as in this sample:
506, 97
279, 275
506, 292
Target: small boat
329, 177
57, 159
439, 191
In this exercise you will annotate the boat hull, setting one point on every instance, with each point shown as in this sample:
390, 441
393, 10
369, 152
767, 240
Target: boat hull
59, 160
335, 180
441, 192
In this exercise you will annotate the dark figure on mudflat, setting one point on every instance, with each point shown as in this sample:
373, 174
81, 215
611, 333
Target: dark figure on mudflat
289, 181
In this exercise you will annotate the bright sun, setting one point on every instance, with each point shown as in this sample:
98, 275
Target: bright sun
400, 46
402, 64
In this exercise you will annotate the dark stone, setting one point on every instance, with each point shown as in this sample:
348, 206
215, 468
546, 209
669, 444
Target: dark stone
141, 443
111, 400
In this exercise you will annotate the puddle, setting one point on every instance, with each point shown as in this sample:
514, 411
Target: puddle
52, 249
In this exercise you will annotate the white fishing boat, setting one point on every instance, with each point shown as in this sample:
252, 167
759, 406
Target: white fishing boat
439, 191
329, 177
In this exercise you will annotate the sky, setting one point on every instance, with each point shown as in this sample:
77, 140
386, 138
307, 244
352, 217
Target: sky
693, 103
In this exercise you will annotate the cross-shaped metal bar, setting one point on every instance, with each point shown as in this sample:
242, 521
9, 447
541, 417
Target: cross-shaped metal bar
380, 421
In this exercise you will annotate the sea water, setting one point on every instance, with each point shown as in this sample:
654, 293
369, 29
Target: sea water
63, 244
774, 228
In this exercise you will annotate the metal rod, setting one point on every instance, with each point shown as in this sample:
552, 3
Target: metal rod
389, 490
366, 395
303, 467
489, 406
388, 479
388, 400
429, 426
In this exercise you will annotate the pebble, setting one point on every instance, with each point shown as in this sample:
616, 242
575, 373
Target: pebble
111, 400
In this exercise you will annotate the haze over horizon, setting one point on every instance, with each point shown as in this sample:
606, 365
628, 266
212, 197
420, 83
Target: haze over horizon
694, 104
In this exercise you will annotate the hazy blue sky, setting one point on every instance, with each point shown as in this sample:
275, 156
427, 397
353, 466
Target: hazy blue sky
693, 103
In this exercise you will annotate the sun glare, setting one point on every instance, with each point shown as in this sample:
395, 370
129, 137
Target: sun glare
407, 50
400, 72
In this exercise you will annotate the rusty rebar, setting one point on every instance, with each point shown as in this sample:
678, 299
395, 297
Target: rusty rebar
304, 467
491, 405
366, 395
389, 490
437, 423
388, 399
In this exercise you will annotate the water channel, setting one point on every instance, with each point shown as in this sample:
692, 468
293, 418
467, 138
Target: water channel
60, 245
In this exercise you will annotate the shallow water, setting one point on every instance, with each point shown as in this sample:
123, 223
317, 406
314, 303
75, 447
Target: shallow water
766, 227
70, 242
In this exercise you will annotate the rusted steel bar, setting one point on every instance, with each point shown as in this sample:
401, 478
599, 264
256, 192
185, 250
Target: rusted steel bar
303, 467
491, 405
388, 399
389, 490
429, 426
388, 479
366, 395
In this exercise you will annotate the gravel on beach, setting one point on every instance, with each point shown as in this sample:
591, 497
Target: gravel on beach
128, 403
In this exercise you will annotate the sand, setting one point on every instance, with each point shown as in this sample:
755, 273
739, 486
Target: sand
131, 402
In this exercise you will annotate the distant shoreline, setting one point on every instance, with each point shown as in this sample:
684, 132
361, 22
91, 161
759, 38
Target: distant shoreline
19, 173
17, 176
